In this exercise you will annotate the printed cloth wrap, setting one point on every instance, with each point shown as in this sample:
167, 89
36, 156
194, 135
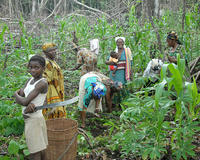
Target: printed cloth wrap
88, 60
55, 93
93, 86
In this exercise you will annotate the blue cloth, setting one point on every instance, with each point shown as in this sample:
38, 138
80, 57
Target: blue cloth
99, 89
91, 82
120, 73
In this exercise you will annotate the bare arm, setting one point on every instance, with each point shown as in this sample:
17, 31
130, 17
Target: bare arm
41, 87
21, 91
110, 63
77, 67
109, 99
97, 102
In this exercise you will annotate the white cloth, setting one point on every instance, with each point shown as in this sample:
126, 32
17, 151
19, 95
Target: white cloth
94, 46
35, 125
123, 38
149, 71
91, 107
116, 38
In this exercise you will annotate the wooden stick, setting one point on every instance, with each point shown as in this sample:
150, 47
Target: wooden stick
93, 9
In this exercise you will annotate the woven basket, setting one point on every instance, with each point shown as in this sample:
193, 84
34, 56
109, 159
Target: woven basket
60, 133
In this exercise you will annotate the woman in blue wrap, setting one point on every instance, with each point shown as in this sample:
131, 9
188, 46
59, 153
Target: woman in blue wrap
124, 68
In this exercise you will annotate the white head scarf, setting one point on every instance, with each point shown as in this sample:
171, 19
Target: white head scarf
94, 46
116, 38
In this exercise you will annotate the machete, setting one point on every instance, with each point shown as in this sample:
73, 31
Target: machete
70, 101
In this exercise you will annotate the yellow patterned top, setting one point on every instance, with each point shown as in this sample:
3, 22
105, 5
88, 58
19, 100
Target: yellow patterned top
55, 93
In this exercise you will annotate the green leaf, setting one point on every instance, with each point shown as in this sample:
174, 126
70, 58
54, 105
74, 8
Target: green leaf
163, 72
181, 64
26, 152
5, 158
13, 147
159, 91
177, 78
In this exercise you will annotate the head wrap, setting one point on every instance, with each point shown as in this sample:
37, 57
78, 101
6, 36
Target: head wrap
99, 89
48, 47
94, 46
118, 84
172, 35
123, 38
117, 38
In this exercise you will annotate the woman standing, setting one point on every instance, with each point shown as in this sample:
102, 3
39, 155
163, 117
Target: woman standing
55, 80
175, 47
33, 94
123, 73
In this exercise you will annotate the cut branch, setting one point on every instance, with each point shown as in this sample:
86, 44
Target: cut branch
52, 11
49, 15
93, 9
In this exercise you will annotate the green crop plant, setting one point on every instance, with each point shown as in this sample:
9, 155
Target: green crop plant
153, 124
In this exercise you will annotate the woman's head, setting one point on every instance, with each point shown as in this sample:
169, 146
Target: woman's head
172, 39
116, 86
120, 42
49, 50
36, 66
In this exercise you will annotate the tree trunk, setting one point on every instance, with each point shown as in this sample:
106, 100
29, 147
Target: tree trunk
71, 4
183, 16
10, 8
65, 7
174, 5
150, 15
68, 6
41, 7
16, 9
148, 8
33, 8
54, 3
157, 8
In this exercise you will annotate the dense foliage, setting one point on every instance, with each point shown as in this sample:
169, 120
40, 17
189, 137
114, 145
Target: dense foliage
163, 124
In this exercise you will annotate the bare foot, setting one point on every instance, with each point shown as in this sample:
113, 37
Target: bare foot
97, 115
83, 126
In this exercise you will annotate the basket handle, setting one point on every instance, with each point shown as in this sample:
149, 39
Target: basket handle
80, 131
68, 146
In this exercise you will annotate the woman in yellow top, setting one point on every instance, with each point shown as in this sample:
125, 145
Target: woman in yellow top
55, 80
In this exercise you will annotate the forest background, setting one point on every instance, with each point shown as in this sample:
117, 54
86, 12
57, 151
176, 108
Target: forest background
160, 126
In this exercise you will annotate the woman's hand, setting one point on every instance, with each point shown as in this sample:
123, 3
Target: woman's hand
17, 93
30, 108
172, 59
